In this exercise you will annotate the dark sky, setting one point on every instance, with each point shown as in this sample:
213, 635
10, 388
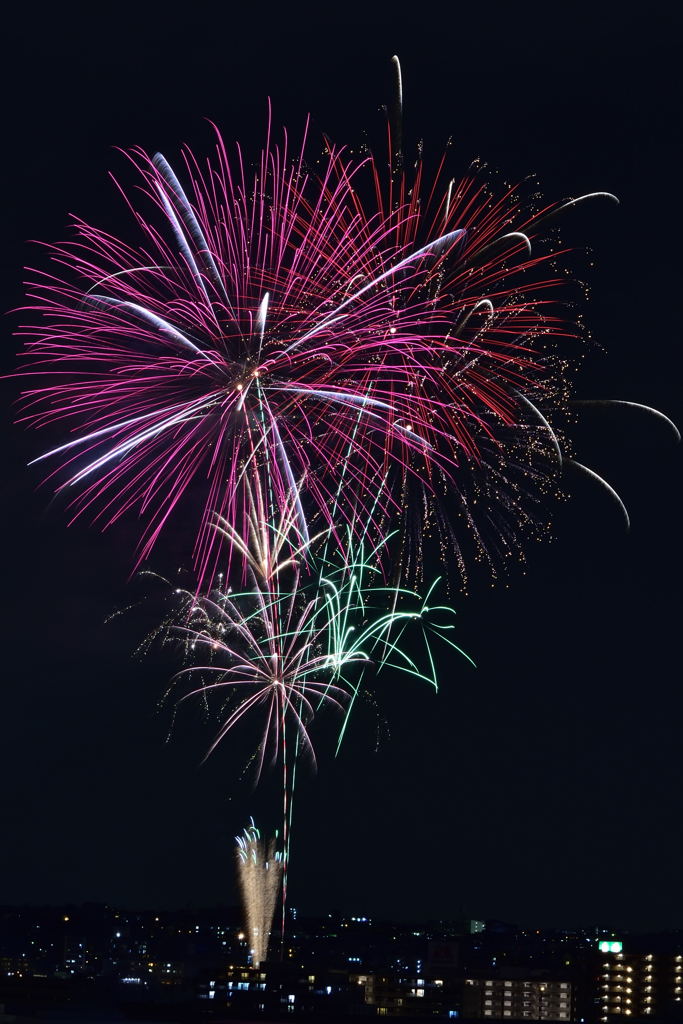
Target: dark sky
546, 785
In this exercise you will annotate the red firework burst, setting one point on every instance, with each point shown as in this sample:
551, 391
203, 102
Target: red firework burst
369, 337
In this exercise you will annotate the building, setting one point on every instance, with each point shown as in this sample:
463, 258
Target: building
517, 999
391, 995
639, 984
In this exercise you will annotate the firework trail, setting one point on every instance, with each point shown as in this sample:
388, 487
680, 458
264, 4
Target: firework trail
259, 869
299, 636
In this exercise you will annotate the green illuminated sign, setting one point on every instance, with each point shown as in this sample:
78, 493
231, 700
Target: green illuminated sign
607, 946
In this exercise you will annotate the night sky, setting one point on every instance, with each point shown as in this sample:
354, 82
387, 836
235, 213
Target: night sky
544, 786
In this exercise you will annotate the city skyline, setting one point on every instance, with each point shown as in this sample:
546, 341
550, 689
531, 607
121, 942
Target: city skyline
335, 966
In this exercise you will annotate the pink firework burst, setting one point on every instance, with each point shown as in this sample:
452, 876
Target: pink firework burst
383, 341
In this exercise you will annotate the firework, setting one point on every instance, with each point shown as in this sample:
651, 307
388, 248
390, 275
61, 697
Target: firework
299, 635
259, 869
314, 362
395, 338
308, 617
